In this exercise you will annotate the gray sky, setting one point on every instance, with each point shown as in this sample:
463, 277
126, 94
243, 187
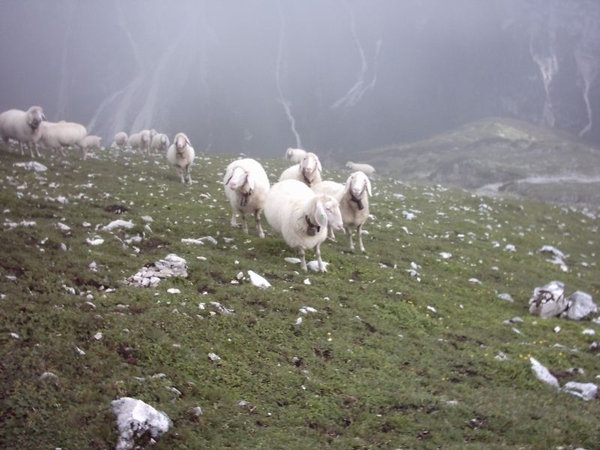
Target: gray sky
329, 75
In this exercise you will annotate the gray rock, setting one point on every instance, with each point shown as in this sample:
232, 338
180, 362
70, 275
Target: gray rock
136, 419
586, 391
580, 304
549, 300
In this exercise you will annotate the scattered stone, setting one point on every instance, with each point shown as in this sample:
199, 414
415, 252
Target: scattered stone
118, 224
585, 391
32, 165
543, 374
549, 300
136, 420
214, 357
150, 275
580, 305
258, 281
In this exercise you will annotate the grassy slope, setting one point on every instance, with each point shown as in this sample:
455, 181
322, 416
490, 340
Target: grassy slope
387, 361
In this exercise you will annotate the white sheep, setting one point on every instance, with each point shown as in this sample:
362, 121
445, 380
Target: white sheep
353, 197
90, 142
160, 142
62, 134
23, 127
141, 141
308, 170
301, 216
246, 185
121, 140
181, 154
294, 155
367, 169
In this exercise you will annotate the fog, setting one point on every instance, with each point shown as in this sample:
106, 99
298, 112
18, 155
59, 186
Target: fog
258, 76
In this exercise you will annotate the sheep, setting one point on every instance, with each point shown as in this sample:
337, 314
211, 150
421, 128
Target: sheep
89, 142
23, 127
353, 197
308, 170
181, 154
160, 142
121, 140
61, 134
368, 169
246, 185
294, 155
140, 141
301, 217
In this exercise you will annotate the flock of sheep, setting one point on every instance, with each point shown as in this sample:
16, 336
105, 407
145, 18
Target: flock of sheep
301, 207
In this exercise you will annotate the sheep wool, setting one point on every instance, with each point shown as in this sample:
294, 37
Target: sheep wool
294, 155
368, 169
301, 217
90, 142
181, 154
308, 170
121, 140
60, 135
140, 141
23, 127
353, 197
246, 186
160, 142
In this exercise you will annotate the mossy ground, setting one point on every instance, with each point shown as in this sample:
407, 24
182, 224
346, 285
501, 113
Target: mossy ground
389, 360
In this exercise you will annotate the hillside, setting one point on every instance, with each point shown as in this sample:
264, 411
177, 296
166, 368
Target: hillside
499, 155
415, 345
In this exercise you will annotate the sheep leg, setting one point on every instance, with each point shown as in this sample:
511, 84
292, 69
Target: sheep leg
189, 176
244, 223
233, 218
359, 237
257, 223
21, 148
302, 255
349, 232
330, 234
319, 260
180, 172
37, 150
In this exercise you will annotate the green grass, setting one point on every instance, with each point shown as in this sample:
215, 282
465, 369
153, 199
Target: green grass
389, 360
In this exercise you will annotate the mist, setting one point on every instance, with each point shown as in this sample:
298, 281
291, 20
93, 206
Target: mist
331, 76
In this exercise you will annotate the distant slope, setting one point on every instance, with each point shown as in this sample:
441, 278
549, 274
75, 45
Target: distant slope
498, 155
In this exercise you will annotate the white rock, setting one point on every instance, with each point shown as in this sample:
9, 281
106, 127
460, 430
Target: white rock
136, 419
585, 391
63, 227
95, 241
445, 255
32, 165
192, 241
118, 224
543, 374
257, 280
214, 357
173, 291
306, 281
314, 265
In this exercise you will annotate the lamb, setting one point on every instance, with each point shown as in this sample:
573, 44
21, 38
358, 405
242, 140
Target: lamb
308, 170
353, 197
181, 154
62, 134
121, 140
89, 142
301, 217
368, 169
246, 186
23, 127
295, 154
140, 141
160, 142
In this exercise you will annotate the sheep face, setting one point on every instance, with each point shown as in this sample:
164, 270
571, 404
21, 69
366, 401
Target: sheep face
357, 183
331, 208
309, 164
181, 140
35, 116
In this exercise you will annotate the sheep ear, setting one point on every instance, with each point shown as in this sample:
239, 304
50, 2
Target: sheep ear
188, 141
349, 182
250, 180
320, 214
43, 117
319, 167
368, 186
